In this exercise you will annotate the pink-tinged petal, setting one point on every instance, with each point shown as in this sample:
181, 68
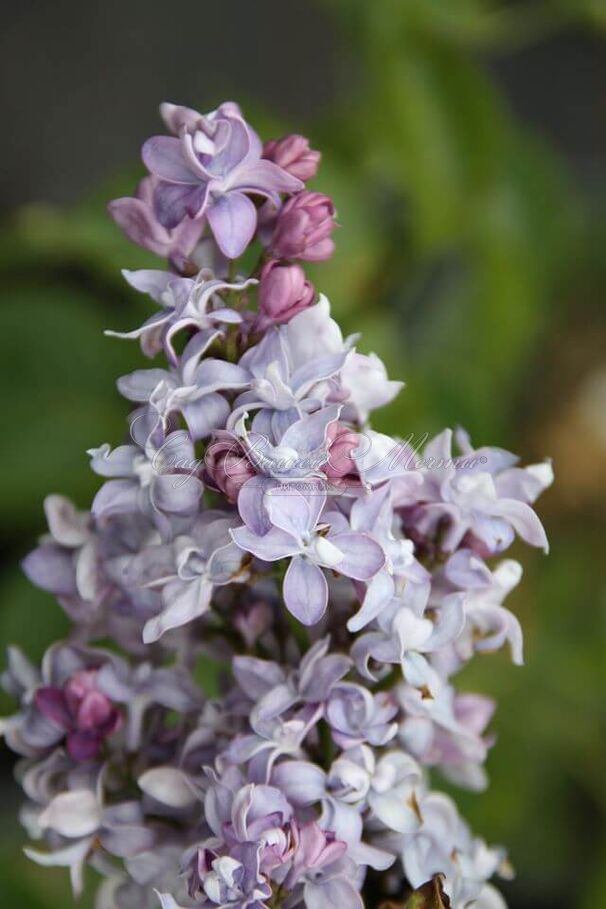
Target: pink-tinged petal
320, 251
305, 591
51, 703
184, 240
233, 221
95, 711
474, 711
362, 556
316, 848
163, 156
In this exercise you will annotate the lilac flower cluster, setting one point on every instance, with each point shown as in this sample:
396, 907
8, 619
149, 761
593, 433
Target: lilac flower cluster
336, 578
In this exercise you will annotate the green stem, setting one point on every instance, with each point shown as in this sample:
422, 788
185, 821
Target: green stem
232, 270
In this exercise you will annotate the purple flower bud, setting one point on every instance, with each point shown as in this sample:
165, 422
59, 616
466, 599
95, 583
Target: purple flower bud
283, 292
314, 849
293, 154
228, 467
83, 711
303, 228
341, 442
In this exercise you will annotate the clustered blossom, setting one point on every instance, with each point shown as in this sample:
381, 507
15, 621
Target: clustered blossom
337, 578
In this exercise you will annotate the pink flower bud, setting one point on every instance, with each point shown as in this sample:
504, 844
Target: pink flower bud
283, 292
341, 442
293, 154
83, 711
228, 467
303, 228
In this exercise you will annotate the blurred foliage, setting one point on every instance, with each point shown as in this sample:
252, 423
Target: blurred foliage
469, 263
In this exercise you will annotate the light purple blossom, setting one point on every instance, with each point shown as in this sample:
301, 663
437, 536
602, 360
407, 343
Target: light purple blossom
136, 217
297, 532
186, 304
210, 170
488, 501
147, 481
204, 559
356, 716
290, 370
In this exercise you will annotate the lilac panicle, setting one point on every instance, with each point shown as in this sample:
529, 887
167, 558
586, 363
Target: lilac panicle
337, 578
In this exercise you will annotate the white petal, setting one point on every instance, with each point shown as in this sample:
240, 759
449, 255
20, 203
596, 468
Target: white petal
167, 785
72, 814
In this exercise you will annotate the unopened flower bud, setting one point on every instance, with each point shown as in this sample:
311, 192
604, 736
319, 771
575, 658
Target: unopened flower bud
293, 154
283, 292
341, 442
228, 467
303, 228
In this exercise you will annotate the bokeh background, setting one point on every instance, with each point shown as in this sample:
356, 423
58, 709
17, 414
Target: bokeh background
464, 143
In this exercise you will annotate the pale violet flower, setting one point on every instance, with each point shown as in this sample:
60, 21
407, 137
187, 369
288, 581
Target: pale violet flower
297, 533
211, 169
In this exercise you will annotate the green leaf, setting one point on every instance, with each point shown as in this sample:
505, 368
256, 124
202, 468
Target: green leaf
61, 371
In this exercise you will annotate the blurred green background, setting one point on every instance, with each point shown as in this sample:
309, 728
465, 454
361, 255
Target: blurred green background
464, 143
